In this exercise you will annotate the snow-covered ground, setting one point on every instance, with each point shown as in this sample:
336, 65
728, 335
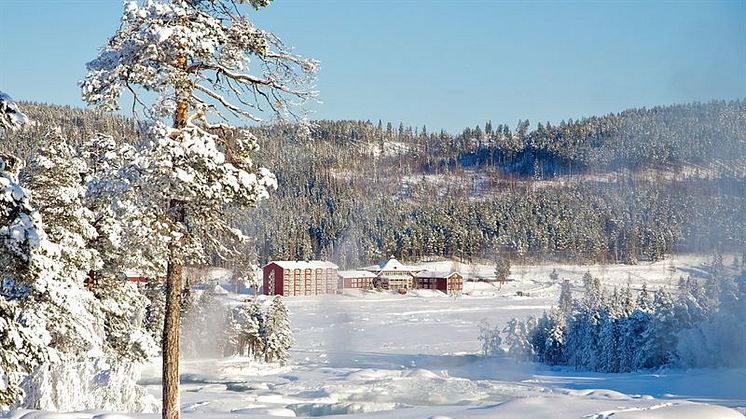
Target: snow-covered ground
383, 355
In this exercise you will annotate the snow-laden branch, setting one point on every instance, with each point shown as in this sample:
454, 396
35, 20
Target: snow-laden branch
221, 47
11, 117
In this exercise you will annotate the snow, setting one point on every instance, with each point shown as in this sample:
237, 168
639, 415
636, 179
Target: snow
11, 116
392, 265
385, 355
91, 384
356, 274
219, 290
304, 264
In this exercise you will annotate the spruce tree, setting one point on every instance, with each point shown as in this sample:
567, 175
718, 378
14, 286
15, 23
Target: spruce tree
565, 298
278, 337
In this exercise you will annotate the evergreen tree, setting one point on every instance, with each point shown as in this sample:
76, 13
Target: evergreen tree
609, 342
11, 116
194, 168
19, 353
660, 335
245, 329
490, 339
55, 177
155, 311
565, 298
518, 340
644, 299
46, 316
554, 346
278, 337
126, 238
502, 269
63, 186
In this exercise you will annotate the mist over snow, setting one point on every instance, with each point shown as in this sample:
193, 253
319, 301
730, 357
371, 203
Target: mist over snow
214, 252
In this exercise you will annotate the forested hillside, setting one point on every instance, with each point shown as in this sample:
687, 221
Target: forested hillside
622, 187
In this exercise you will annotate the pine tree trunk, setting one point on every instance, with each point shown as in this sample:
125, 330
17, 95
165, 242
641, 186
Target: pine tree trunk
172, 320
171, 342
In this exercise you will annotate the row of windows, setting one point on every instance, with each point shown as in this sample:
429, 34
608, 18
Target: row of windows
307, 273
361, 283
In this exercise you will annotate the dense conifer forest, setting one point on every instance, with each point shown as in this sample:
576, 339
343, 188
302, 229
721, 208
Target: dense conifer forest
618, 188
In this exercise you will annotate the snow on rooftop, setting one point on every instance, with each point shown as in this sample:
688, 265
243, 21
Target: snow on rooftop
435, 274
392, 265
356, 274
219, 290
303, 264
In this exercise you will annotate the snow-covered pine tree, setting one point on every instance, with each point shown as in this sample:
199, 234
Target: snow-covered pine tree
502, 269
19, 353
565, 299
278, 338
719, 340
627, 303
688, 304
11, 116
126, 238
538, 337
44, 314
228, 342
583, 328
245, 327
608, 341
490, 338
155, 311
644, 299
187, 51
518, 340
245, 269
54, 175
554, 347
253, 328
631, 329
660, 335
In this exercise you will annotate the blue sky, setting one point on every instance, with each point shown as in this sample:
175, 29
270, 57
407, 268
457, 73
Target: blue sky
447, 64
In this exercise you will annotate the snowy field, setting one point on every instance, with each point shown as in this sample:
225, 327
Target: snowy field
382, 355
